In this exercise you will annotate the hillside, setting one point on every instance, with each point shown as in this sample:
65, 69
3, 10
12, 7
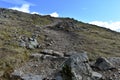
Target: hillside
59, 34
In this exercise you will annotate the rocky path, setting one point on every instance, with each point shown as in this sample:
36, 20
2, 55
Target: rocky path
62, 40
75, 67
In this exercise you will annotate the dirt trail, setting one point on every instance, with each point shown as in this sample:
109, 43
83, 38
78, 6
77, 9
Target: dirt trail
63, 41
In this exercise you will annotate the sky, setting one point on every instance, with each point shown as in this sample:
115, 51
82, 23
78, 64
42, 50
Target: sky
105, 13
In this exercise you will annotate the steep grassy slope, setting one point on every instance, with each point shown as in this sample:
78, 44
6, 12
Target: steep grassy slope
96, 40
63, 34
14, 24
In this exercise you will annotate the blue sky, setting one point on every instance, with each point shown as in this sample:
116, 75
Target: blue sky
104, 13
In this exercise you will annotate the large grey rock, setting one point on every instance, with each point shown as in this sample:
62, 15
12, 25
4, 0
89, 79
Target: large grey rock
77, 68
103, 64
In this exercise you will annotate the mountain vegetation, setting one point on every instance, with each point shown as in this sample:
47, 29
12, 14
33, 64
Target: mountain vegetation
59, 34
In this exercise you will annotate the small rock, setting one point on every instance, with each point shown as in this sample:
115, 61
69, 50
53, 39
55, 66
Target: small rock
96, 75
59, 78
36, 55
55, 53
29, 46
52, 52
70, 53
103, 64
1, 73
110, 78
47, 51
31, 77
119, 72
17, 74
33, 42
22, 44
49, 57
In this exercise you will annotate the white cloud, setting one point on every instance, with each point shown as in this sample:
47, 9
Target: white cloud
111, 25
23, 8
26, 8
54, 14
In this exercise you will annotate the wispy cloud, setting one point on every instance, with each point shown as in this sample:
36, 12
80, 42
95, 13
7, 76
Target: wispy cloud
111, 25
54, 14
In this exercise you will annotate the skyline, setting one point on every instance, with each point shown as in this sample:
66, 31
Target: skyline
102, 13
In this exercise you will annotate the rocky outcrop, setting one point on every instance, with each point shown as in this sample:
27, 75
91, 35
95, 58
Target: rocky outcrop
66, 25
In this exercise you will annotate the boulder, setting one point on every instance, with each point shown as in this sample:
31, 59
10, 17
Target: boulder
77, 68
103, 64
